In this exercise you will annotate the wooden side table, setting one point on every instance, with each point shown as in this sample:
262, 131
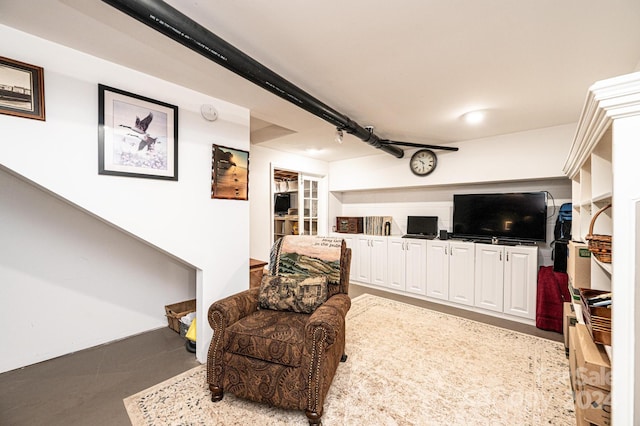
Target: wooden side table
256, 269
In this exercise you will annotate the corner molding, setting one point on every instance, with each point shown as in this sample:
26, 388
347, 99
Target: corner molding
606, 100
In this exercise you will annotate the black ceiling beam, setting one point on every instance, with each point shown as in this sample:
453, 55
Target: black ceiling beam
418, 145
179, 27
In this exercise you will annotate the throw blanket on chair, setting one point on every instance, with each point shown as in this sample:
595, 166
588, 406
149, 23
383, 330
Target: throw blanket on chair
307, 255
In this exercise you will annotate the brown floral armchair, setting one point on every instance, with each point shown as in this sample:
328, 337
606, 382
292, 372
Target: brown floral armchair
285, 357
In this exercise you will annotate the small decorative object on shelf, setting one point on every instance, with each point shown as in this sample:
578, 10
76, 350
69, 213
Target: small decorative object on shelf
599, 245
349, 225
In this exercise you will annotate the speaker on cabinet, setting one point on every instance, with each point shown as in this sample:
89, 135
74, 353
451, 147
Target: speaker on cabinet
444, 235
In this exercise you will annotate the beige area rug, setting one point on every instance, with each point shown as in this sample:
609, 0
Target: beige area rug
407, 366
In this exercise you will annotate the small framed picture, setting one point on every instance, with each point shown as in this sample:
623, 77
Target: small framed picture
137, 136
21, 89
229, 173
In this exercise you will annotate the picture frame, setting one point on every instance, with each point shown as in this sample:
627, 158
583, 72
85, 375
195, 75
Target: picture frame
137, 135
21, 89
229, 173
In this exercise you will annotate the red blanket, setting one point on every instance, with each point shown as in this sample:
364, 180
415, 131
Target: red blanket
552, 292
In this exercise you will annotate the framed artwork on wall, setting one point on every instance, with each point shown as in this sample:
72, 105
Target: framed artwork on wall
137, 136
229, 173
21, 89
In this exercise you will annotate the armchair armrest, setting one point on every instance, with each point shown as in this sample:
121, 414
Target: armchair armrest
221, 314
233, 308
330, 317
324, 343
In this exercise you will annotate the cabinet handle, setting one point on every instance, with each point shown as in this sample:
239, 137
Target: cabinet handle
500, 256
507, 257
445, 251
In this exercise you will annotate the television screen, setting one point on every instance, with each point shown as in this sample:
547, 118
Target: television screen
281, 203
511, 216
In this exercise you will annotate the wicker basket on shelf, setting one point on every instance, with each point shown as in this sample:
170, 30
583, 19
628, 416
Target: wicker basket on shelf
599, 245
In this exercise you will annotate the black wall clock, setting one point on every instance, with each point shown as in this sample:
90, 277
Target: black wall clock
423, 162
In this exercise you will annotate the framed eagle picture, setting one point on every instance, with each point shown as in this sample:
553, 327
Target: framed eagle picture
137, 136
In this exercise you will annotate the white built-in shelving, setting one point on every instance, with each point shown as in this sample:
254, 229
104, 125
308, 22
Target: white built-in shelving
603, 167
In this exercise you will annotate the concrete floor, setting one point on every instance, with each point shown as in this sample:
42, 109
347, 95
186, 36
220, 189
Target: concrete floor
87, 387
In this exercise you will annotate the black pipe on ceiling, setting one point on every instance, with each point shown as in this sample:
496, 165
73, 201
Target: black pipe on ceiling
179, 27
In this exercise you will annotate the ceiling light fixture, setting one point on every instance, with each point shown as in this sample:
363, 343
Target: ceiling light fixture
474, 117
339, 135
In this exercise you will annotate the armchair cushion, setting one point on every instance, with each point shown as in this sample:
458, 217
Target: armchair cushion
297, 293
273, 336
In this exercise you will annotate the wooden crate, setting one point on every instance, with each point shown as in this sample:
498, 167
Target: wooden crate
176, 311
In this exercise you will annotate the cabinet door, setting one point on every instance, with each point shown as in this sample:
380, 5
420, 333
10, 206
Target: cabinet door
520, 281
363, 259
378, 260
461, 272
416, 257
350, 240
396, 259
438, 269
489, 269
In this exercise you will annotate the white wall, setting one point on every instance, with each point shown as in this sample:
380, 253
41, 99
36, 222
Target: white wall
260, 190
530, 155
179, 218
438, 201
71, 281
384, 186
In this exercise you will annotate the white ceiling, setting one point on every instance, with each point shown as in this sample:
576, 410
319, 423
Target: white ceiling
409, 68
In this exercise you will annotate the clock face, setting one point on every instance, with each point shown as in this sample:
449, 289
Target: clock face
423, 162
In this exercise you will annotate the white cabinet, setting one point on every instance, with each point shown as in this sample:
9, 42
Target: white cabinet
450, 271
461, 272
406, 264
438, 269
350, 241
492, 277
396, 259
506, 279
489, 282
370, 259
520, 281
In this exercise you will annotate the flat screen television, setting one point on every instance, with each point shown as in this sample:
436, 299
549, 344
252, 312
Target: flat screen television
281, 203
511, 216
